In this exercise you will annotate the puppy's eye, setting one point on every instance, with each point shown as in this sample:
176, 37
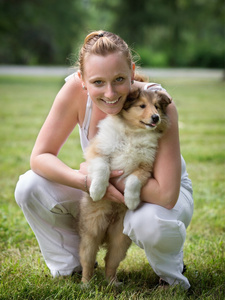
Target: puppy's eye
156, 106
142, 106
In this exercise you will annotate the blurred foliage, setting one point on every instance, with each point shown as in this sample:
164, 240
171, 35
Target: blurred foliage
38, 31
164, 33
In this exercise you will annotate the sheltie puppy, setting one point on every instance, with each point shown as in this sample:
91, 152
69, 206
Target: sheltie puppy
126, 141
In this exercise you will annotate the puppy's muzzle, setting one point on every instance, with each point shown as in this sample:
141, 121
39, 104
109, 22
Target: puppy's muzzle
155, 118
154, 121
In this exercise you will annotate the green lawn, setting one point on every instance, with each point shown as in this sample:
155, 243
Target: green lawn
24, 105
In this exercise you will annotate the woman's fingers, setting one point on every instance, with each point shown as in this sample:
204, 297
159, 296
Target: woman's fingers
114, 195
116, 173
83, 168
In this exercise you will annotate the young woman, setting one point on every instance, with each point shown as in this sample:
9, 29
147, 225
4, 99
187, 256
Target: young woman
50, 192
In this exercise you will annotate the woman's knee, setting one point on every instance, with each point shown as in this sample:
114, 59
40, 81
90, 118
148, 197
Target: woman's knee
25, 188
149, 229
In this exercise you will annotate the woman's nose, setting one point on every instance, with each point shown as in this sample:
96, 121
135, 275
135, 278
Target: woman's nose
110, 92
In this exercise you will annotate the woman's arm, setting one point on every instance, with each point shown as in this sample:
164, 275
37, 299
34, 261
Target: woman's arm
163, 189
67, 110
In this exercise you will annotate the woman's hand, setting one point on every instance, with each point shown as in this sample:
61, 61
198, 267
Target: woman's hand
113, 194
83, 168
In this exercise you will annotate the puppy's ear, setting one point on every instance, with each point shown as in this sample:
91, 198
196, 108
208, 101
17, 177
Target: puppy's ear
131, 98
135, 94
163, 99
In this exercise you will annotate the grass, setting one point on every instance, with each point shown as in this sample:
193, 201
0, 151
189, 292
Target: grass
24, 105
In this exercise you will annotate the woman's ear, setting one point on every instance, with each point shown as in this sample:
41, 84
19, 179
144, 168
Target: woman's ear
79, 74
133, 71
82, 81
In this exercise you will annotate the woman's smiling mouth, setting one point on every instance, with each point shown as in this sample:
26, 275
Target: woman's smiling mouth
111, 102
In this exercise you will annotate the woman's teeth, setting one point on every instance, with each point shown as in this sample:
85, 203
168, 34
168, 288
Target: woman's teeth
111, 102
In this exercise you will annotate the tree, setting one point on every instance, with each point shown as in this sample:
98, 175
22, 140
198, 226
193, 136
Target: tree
172, 32
38, 31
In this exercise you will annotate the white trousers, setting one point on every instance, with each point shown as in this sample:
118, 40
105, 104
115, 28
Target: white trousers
51, 210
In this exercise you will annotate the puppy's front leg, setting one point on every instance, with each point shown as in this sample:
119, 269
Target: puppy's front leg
132, 192
133, 185
99, 172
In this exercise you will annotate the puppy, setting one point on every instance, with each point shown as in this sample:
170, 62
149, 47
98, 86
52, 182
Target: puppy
126, 141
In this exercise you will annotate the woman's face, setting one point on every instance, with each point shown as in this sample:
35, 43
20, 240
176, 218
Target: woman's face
108, 80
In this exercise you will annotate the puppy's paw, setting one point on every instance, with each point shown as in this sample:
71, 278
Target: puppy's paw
132, 202
99, 172
132, 192
98, 189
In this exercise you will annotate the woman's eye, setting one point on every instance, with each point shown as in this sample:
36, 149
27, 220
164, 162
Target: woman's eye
98, 82
142, 106
119, 79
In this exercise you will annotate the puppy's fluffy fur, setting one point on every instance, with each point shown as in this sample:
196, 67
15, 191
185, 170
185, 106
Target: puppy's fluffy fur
126, 141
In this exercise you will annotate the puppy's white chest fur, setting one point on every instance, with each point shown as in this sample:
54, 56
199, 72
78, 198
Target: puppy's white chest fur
126, 148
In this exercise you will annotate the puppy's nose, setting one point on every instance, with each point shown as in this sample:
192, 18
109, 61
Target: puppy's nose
155, 118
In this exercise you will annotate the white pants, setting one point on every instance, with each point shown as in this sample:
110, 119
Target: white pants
51, 210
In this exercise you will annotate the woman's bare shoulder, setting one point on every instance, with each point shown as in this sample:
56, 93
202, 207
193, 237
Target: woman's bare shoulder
73, 97
72, 89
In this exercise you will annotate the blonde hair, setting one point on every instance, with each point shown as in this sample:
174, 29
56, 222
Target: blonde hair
103, 43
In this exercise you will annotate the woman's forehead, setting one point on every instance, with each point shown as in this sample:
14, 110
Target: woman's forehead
113, 62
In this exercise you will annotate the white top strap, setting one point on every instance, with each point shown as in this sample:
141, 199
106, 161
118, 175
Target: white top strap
153, 87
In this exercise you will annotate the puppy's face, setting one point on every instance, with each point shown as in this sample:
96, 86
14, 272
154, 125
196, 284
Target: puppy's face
145, 109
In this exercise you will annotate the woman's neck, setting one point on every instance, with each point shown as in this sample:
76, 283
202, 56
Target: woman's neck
96, 116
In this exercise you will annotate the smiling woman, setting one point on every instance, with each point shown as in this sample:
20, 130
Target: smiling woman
49, 194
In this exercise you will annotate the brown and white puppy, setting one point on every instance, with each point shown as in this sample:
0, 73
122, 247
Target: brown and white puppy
126, 141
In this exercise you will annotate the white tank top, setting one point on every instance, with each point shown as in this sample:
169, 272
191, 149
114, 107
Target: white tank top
83, 131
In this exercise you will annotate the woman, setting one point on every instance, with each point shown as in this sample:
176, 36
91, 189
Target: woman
50, 192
